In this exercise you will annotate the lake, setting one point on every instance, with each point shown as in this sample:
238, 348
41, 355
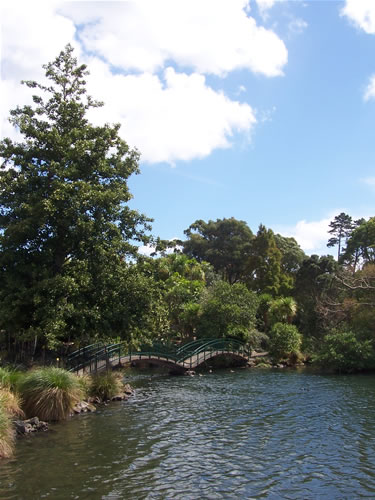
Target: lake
257, 433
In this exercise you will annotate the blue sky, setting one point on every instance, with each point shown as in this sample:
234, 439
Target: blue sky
261, 110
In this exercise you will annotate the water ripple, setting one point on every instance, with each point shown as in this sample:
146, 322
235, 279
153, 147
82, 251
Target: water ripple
250, 434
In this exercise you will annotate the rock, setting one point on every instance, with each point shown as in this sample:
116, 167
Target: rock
128, 390
83, 407
119, 397
24, 427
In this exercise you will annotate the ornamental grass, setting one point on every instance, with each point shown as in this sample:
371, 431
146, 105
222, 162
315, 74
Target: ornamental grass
11, 403
7, 435
9, 378
50, 393
106, 385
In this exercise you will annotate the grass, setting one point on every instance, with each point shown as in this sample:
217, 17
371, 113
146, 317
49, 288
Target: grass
10, 378
50, 393
10, 403
107, 385
7, 436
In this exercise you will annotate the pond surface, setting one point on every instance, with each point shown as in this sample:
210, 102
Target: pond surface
248, 434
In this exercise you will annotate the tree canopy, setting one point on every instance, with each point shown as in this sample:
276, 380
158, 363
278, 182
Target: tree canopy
66, 229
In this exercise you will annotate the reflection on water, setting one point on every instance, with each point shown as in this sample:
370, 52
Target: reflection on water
248, 434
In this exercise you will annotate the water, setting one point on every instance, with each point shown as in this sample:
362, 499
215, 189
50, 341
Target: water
249, 434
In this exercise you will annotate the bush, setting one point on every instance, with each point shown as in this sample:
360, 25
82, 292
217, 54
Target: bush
7, 436
285, 340
106, 385
50, 393
343, 352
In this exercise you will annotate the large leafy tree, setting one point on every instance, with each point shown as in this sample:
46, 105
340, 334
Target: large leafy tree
225, 243
228, 311
66, 230
360, 248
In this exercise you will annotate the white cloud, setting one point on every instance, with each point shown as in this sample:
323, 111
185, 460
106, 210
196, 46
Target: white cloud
169, 115
176, 118
297, 26
361, 13
214, 36
370, 89
265, 4
311, 236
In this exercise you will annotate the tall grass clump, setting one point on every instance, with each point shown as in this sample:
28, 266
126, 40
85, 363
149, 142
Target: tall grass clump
50, 393
106, 385
7, 435
10, 378
11, 403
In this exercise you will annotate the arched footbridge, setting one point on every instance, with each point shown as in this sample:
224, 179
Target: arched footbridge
98, 357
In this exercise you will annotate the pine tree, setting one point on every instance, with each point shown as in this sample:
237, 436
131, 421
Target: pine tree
341, 228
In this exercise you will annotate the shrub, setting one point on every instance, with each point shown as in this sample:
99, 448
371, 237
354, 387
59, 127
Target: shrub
343, 352
50, 393
6, 434
85, 382
106, 385
285, 340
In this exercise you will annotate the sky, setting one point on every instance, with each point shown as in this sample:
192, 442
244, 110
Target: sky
262, 110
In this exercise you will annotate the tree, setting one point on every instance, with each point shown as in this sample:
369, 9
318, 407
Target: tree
66, 230
224, 243
264, 265
283, 310
292, 254
341, 227
361, 245
227, 311
314, 281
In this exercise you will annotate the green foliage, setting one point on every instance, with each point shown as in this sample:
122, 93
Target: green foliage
341, 228
264, 264
343, 352
224, 243
292, 254
10, 378
227, 311
282, 310
315, 280
106, 385
360, 249
284, 340
50, 393
65, 227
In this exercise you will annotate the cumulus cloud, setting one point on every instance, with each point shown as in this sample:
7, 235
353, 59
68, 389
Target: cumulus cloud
176, 117
161, 52
370, 89
214, 36
361, 13
265, 4
312, 236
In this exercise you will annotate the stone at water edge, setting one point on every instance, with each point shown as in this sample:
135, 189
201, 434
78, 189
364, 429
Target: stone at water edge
28, 426
83, 407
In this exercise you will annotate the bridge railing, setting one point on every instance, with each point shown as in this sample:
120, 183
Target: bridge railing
98, 356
